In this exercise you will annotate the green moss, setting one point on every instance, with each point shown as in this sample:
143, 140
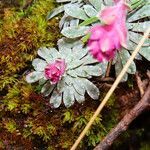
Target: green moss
26, 116
55, 128
22, 33
145, 146
1, 144
10, 125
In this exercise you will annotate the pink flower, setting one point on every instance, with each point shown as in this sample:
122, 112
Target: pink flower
55, 71
106, 39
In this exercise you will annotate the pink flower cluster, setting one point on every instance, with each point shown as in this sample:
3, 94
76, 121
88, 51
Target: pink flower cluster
55, 70
106, 39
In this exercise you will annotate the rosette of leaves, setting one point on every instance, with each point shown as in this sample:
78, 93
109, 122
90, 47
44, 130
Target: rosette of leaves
137, 23
74, 83
80, 15
76, 11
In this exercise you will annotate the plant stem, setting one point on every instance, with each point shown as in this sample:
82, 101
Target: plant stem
108, 68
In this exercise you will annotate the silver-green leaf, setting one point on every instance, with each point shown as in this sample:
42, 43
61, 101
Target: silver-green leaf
74, 32
34, 76
75, 11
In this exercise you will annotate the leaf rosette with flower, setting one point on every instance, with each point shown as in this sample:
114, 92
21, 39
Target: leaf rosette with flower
64, 74
82, 16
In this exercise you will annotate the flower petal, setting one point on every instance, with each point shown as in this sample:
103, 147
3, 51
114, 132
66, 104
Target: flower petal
97, 31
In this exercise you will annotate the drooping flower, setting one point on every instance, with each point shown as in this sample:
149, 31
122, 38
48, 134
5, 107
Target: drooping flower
55, 70
106, 39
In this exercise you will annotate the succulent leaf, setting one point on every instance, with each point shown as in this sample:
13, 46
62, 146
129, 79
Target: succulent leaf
56, 99
55, 12
45, 54
47, 88
96, 4
75, 11
136, 37
118, 68
145, 52
79, 98
92, 70
139, 26
39, 64
74, 32
91, 89
122, 58
68, 96
90, 11
140, 14
34, 76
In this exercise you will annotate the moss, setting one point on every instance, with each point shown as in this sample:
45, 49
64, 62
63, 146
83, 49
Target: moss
22, 33
28, 115
145, 146
25, 115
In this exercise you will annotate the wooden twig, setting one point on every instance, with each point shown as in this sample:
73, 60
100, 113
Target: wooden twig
148, 74
140, 84
107, 79
124, 123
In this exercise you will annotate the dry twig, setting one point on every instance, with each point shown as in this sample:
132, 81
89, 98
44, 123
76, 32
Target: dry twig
128, 118
140, 84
